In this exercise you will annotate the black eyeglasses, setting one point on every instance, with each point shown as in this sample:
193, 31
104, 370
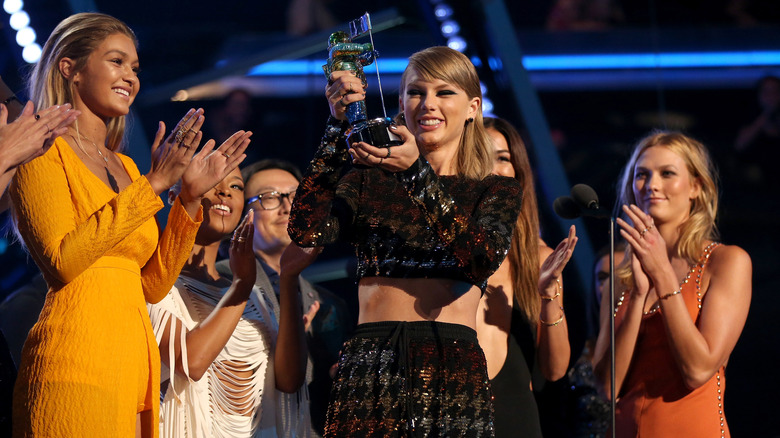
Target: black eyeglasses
271, 200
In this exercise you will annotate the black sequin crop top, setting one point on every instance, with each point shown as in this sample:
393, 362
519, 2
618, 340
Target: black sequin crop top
409, 224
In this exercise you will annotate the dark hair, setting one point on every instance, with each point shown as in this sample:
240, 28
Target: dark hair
524, 250
270, 163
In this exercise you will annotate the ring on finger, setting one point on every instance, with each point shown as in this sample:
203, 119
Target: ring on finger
180, 134
341, 101
192, 131
642, 233
37, 117
380, 160
226, 155
388, 152
48, 130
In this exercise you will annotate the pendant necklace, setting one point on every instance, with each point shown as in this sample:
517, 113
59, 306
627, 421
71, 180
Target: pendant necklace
105, 158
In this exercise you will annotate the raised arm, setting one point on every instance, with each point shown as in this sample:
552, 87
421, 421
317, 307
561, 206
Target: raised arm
46, 217
28, 136
316, 217
630, 308
700, 349
291, 354
190, 353
553, 342
199, 174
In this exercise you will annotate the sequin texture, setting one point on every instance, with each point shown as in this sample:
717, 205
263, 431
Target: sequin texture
419, 379
409, 224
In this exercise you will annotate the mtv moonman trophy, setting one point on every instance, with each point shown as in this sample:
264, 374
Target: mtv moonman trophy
343, 54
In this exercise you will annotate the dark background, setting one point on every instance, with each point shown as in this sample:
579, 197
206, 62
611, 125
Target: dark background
594, 116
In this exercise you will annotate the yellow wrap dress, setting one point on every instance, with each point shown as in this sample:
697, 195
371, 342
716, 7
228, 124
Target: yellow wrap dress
91, 362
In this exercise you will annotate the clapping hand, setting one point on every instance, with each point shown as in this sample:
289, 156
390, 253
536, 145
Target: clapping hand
31, 135
553, 265
171, 157
242, 255
211, 166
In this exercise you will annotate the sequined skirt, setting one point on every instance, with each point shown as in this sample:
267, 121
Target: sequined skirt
420, 379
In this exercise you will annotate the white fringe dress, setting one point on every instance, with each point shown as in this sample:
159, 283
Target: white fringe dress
237, 397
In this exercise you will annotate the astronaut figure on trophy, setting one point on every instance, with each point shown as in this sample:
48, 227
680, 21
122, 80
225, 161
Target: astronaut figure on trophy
345, 55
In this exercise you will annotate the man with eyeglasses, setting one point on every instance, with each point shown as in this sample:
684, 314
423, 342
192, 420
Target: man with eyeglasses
269, 189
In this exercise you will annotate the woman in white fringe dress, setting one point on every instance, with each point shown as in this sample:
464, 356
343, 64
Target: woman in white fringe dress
220, 343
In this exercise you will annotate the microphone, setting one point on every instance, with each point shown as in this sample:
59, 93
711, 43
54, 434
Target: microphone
585, 196
566, 207
583, 202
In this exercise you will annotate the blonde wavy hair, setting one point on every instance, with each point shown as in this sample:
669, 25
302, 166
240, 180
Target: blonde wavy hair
700, 224
524, 250
75, 37
474, 157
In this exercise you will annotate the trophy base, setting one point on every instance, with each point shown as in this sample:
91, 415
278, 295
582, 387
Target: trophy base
375, 132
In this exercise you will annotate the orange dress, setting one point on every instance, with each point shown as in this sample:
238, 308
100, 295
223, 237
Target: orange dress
91, 362
654, 401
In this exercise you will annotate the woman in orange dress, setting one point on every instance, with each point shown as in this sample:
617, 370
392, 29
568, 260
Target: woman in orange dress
684, 298
90, 366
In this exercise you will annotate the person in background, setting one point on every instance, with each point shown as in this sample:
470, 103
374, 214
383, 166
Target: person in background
520, 319
683, 297
231, 366
270, 186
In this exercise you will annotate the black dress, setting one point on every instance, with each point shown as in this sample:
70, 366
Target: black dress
513, 400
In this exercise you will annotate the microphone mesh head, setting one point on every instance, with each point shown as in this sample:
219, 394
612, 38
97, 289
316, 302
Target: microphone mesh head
585, 196
565, 207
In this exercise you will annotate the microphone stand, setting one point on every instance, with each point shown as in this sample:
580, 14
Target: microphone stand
612, 322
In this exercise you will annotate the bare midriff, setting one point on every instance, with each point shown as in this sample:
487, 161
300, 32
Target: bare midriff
418, 299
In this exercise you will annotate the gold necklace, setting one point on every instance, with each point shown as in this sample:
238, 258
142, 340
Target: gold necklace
105, 158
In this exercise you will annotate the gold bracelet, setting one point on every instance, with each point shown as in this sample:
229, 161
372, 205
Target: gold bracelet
550, 324
670, 295
557, 294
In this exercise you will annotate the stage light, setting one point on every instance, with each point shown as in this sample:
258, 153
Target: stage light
25, 36
19, 20
449, 28
11, 6
443, 11
487, 107
457, 43
31, 53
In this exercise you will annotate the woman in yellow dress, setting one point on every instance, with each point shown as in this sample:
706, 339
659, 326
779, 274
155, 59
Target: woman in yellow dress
91, 366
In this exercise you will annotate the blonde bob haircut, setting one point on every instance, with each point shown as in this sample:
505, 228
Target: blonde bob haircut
474, 157
75, 37
700, 224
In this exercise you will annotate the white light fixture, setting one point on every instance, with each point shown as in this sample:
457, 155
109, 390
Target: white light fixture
11, 6
25, 36
19, 20
32, 53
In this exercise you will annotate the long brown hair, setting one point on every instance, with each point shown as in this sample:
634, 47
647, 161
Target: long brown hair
700, 225
474, 157
75, 37
524, 251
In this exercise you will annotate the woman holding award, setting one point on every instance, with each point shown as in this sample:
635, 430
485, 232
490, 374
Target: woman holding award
429, 224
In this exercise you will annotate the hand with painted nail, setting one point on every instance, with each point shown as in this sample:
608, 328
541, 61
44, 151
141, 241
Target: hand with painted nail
32, 134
